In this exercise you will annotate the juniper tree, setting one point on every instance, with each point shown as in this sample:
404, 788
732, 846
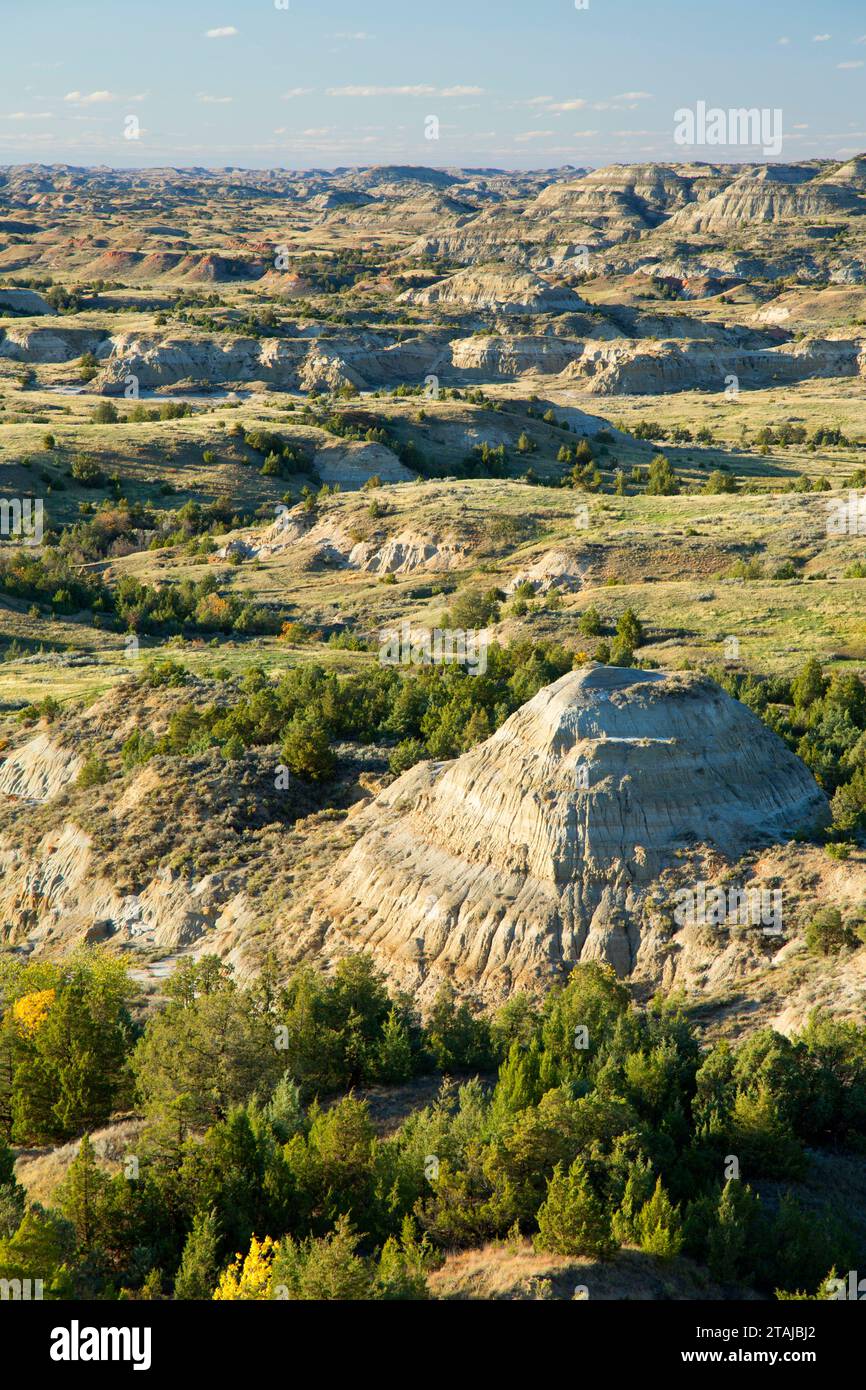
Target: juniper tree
199, 1265
572, 1220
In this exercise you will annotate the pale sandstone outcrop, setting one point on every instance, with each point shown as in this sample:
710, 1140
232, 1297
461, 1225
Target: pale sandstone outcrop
500, 289
23, 343
754, 199
544, 845
647, 368
351, 463
24, 302
304, 362
297, 533
39, 769
497, 355
555, 569
59, 894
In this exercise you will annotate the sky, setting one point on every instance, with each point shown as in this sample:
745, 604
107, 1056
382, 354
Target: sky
297, 84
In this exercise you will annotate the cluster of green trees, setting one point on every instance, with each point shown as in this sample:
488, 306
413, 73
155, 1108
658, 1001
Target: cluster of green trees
583, 471
628, 635
822, 718
49, 579
802, 483
785, 434
768, 435
167, 410
720, 481
101, 528
104, 525
282, 459
587, 1123
191, 603
55, 579
677, 434
485, 461
65, 1037
659, 479
427, 712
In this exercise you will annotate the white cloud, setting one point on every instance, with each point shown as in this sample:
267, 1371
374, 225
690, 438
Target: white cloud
297, 92
534, 135
209, 100
858, 64
784, 41
30, 116
624, 101
822, 38
351, 38
419, 91
228, 31
89, 98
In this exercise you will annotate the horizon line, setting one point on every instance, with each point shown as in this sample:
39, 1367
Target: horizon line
432, 168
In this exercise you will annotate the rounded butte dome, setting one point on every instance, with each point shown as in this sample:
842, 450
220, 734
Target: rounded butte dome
538, 847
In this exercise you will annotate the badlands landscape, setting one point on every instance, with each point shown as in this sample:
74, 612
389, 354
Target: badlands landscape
432, 636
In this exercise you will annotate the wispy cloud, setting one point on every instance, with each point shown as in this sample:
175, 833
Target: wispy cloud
419, 91
822, 38
29, 116
227, 31
209, 100
534, 135
294, 92
89, 98
857, 64
623, 101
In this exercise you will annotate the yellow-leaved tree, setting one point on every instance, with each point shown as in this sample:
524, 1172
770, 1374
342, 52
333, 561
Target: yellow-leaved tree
250, 1275
31, 1010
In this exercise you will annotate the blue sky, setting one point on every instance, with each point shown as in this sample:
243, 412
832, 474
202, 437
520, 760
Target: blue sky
516, 85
